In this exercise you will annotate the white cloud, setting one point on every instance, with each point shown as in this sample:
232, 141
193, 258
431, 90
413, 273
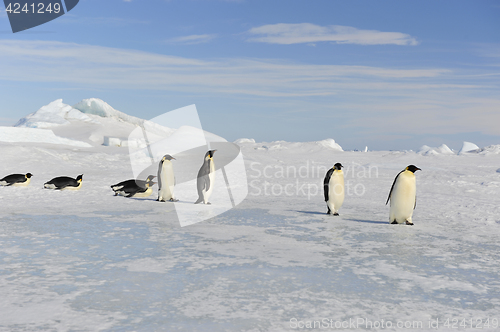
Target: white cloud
283, 33
192, 39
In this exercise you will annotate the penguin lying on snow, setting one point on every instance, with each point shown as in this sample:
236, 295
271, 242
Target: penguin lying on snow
166, 180
333, 186
206, 177
136, 190
130, 185
16, 180
403, 196
64, 183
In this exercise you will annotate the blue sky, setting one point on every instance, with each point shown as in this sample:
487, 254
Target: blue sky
387, 74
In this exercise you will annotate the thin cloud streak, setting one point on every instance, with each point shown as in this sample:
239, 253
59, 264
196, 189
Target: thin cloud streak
191, 39
283, 33
102, 66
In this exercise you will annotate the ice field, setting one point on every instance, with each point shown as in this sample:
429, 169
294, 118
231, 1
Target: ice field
90, 261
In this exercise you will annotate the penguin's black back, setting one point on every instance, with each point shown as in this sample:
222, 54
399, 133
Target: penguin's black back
14, 178
62, 182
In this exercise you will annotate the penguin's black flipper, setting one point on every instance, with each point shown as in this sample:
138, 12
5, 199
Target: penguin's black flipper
390, 192
132, 191
326, 183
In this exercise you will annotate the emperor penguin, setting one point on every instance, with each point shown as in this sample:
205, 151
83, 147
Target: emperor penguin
166, 180
134, 189
16, 180
64, 183
130, 185
403, 196
333, 186
206, 178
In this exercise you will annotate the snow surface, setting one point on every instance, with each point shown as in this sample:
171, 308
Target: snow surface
35, 135
90, 261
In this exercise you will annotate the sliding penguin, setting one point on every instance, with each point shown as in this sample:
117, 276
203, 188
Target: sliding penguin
206, 177
136, 190
64, 183
333, 186
403, 196
16, 180
130, 185
166, 180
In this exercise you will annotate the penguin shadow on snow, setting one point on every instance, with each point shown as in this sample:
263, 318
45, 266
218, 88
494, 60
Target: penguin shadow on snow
310, 212
341, 218
367, 221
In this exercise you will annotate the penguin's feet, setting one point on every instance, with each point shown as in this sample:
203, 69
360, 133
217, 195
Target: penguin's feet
336, 214
409, 223
208, 203
394, 222
160, 200
173, 200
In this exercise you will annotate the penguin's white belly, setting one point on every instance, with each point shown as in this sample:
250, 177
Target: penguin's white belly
336, 192
147, 193
73, 188
403, 198
22, 184
166, 192
211, 176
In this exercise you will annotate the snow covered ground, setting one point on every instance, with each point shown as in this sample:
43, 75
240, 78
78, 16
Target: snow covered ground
90, 261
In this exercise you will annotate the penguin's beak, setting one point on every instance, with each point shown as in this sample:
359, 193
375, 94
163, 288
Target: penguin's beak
174, 158
418, 169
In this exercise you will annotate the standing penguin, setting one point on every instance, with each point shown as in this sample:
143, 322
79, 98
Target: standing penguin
206, 177
403, 196
64, 183
16, 180
333, 186
125, 187
166, 180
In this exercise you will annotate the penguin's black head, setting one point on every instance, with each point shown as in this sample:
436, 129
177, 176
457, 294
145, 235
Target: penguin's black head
28, 175
210, 153
413, 168
338, 166
79, 178
150, 178
167, 157
150, 183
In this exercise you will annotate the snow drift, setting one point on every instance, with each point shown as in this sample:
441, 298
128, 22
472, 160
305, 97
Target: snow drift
36, 135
